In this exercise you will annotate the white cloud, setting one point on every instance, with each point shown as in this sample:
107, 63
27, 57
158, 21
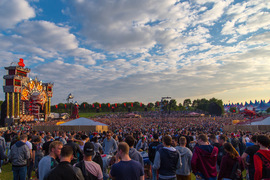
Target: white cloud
48, 36
13, 12
246, 17
215, 13
142, 50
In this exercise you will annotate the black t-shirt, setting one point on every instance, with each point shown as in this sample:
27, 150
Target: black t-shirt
7, 137
34, 147
152, 150
251, 150
45, 147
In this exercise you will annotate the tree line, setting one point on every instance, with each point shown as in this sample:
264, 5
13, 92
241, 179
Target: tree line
201, 105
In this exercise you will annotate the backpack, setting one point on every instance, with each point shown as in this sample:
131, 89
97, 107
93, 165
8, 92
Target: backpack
266, 166
236, 173
98, 159
87, 175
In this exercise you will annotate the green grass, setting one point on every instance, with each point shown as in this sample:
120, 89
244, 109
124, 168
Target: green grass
91, 115
6, 172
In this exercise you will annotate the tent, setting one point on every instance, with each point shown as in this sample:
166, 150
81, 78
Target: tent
266, 121
84, 124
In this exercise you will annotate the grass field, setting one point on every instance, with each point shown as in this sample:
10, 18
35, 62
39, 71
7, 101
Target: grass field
6, 172
92, 115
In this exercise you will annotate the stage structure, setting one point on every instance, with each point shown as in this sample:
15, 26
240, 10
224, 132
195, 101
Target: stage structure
26, 99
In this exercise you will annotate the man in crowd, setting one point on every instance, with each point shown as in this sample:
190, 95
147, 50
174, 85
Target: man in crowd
109, 144
89, 168
152, 153
19, 154
126, 167
167, 160
64, 170
46, 145
77, 152
133, 153
49, 162
221, 152
184, 173
213, 140
204, 159
3, 147
249, 152
262, 158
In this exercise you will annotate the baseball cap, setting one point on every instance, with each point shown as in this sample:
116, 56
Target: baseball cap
88, 149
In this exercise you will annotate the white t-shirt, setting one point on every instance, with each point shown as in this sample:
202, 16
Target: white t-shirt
29, 145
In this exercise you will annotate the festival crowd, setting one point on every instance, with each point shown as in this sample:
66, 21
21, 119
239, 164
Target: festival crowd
152, 146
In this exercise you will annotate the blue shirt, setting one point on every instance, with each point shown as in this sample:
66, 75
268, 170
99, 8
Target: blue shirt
128, 170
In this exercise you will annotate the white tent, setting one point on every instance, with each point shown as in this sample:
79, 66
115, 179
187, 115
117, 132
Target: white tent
83, 122
266, 121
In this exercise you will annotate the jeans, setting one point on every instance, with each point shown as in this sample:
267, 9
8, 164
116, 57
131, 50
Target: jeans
251, 172
30, 168
154, 172
37, 159
19, 173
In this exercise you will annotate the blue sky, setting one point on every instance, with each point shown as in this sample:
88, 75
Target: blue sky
118, 50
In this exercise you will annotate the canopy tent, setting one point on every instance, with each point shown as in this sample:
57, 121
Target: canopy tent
266, 121
83, 122
80, 124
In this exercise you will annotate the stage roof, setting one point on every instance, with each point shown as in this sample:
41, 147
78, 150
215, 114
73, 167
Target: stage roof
83, 122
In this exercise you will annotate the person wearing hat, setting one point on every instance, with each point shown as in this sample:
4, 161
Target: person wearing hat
90, 169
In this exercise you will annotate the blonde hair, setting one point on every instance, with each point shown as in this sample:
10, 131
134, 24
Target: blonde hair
231, 150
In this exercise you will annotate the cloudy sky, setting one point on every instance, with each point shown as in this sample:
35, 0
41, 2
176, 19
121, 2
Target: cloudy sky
119, 50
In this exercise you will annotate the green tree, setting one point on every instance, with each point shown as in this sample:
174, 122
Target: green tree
268, 110
187, 103
181, 107
219, 102
233, 109
173, 104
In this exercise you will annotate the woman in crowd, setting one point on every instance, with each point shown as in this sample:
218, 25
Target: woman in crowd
231, 166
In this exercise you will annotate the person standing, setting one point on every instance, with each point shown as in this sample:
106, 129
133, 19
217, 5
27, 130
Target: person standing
235, 142
2, 156
49, 162
221, 152
98, 147
152, 153
126, 168
184, 173
247, 157
19, 154
262, 158
90, 169
64, 170
204, 159
142, 144
109, 144
77, 152
231, 166
167, 160
133, 153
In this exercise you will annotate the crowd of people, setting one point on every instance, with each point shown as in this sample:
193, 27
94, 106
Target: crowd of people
153, 146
